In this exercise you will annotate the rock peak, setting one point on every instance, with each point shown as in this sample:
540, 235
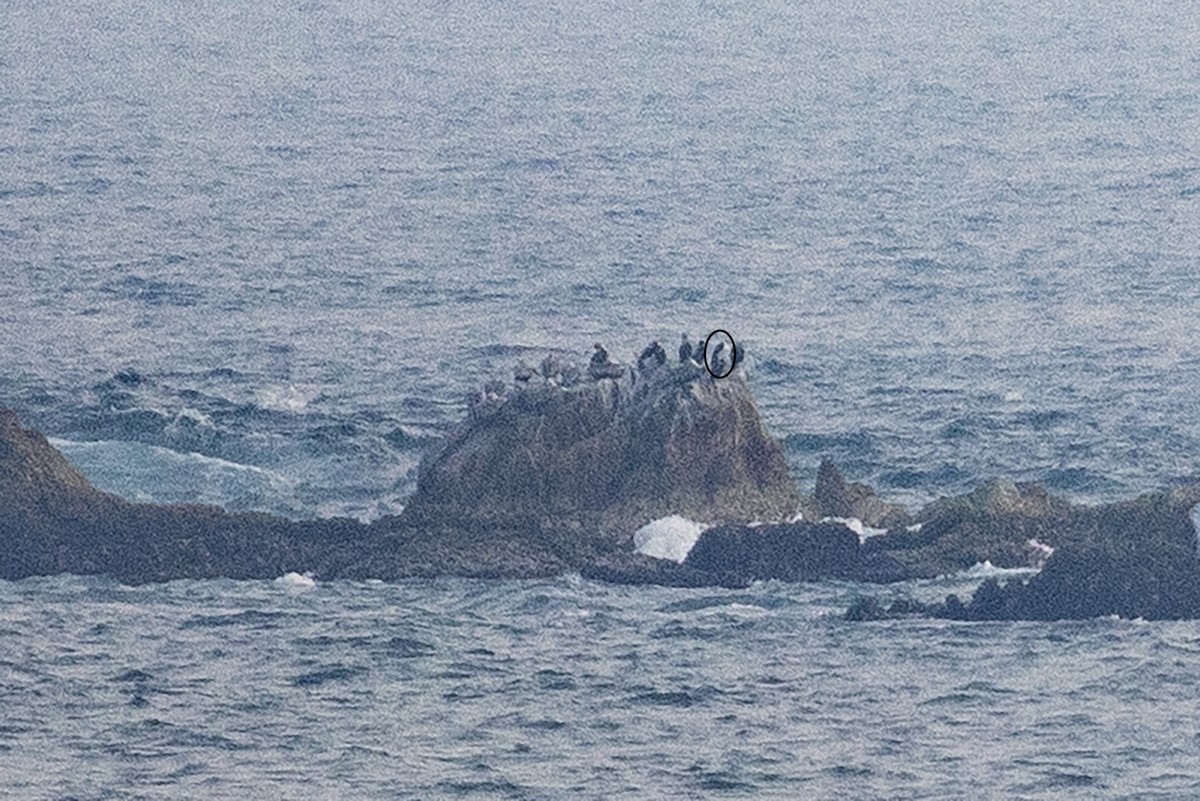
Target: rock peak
31, 467
613, 453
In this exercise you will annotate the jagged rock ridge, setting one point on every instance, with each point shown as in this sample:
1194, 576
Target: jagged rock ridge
610, 456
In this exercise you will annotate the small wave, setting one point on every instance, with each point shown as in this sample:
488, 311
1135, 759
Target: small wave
739, 601
405, 648
855, 443
412, 438
153, 292
284, 399
250, 617
485, 788
676, 698
554, 680
721, 781
334, 673
1078, 479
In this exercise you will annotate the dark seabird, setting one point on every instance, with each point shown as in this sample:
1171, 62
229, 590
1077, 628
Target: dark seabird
646, 354
685, 350
600, 366
660, 355
570, 376
718, 358
552, 368
653, 352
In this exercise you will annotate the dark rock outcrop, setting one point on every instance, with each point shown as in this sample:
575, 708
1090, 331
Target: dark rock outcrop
607, 457
1001, 522
551, 480
636, 568
835, 497
1131, 559
787, 551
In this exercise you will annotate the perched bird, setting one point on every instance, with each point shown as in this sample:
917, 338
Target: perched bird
685, 350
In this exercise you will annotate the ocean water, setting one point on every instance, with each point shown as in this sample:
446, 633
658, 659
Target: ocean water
257, 254
568, 689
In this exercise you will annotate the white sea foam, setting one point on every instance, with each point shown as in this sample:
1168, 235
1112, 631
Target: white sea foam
284, 399
296, 582
1045, 551
863, 531
986, 569
362, 511
154, 474
670, 537
193, 416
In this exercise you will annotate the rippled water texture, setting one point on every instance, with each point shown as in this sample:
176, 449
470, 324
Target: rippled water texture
570, 689
958, 239
256, 253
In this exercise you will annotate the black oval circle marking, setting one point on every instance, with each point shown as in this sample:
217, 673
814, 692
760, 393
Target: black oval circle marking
732, 353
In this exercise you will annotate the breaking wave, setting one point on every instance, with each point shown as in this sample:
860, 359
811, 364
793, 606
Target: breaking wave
670, 537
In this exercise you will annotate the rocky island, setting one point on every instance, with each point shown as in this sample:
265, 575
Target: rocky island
546, 478
553, 476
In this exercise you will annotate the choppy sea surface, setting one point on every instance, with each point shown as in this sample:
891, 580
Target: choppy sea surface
568, 689
257, 254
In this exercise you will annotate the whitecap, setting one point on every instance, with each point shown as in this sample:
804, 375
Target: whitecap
194, 417
670, 537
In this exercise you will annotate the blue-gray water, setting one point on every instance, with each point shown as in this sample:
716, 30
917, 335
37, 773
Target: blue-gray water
565, 689
257, 253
